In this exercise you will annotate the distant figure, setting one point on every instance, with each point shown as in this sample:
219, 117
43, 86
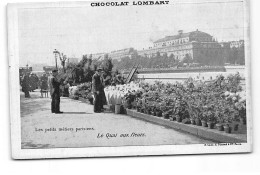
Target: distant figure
44, 84
97, 88
26, 85
55, 93
33, 82
49, 83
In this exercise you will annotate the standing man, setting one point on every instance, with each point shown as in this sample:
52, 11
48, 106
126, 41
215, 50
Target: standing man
55, 93
26, 85
96, 89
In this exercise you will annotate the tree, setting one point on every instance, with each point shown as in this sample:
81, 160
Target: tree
63, 59
107, 64
187, 59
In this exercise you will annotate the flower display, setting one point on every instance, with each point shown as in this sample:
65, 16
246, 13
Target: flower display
218, 101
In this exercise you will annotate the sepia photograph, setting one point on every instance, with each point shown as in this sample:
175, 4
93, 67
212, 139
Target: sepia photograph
129, 78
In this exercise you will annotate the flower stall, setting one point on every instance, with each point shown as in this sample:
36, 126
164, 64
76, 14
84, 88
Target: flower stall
218, 104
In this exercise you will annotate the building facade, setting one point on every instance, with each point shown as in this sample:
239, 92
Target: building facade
118, 54
198, 46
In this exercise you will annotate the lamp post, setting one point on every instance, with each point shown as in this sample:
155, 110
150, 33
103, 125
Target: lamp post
55, 52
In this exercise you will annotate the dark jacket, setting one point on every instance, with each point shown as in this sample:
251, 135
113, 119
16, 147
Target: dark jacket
96, 83
25, 83
55, 85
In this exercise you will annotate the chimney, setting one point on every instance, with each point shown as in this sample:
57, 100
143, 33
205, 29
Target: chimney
180, 32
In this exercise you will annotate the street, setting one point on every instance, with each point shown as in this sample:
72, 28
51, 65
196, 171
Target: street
79, 126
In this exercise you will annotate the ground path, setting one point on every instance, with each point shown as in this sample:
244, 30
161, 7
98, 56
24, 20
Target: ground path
78, 126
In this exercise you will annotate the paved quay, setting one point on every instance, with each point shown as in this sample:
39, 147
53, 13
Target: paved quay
79, 126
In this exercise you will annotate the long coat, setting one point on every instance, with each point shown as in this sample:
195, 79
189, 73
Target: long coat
25, 83
96, 83
55, 86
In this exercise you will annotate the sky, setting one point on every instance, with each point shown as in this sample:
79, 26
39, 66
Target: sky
84, 29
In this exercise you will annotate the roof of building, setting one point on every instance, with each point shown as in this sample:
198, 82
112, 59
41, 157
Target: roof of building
196, 33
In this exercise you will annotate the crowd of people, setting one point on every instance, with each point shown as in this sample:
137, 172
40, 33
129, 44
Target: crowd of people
30, 82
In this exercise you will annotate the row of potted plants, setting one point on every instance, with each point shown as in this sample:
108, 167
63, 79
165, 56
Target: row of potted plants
216, 104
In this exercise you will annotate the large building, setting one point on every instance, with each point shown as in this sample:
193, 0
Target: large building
116, 54
197, 45
237, 44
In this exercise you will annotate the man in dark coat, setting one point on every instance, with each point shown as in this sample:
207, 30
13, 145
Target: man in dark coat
96, 89
55, 93
26, 85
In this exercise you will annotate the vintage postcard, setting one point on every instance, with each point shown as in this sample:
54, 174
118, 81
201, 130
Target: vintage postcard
129, 78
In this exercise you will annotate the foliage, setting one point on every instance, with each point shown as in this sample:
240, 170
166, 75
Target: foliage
217, 101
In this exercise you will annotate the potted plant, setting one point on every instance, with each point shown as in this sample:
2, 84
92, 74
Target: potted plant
241, 107
228, 121
227, 128
204, 120
138, 104
158, 110
172, 117
211, 120
166, 114
219, 119
159, 113
178, 118
198, 120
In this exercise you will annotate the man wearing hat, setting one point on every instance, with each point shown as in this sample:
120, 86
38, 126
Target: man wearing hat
96, 89
55, 93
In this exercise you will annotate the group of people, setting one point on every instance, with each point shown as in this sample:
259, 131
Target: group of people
51, 82
30, 82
